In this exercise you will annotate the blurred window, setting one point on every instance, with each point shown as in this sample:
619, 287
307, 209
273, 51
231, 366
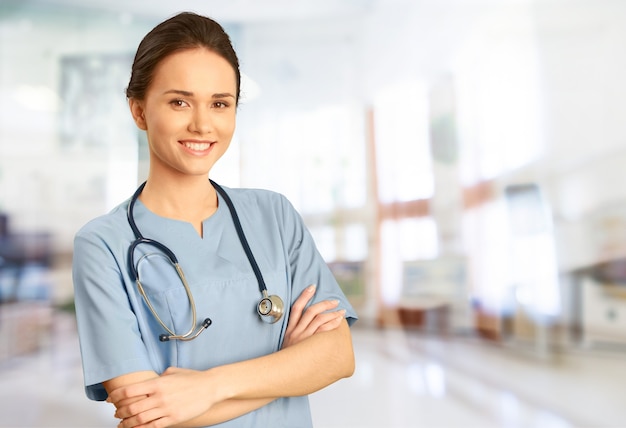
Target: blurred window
499, 102
404, 164
487, 239
315, 157
404, 240
324, 237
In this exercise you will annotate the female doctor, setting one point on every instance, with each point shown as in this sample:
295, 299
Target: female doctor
197, 304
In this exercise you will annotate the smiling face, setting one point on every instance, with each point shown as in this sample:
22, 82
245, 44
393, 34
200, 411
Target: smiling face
188, 112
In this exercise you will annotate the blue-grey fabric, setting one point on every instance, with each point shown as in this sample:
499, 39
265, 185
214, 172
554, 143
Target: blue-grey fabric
118, 334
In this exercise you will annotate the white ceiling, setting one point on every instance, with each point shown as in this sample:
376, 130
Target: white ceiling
224, 10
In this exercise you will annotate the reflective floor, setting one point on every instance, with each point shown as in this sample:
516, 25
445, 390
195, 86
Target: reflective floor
402, 380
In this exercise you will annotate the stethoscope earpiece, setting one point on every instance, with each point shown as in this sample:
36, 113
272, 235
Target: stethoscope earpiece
270, 308
205, 324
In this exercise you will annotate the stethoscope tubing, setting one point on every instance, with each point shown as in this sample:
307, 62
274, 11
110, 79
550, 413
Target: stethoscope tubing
242, 237
140, 239
272, 313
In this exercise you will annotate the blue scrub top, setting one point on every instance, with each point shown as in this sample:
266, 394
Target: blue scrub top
118, 333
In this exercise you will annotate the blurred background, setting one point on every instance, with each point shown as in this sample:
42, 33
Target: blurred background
459, 163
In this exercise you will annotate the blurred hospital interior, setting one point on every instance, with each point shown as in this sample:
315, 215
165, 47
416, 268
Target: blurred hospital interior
460, 164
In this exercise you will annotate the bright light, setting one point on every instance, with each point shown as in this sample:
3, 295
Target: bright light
37, 98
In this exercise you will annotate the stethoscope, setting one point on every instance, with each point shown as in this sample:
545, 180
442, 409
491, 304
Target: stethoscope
269, 308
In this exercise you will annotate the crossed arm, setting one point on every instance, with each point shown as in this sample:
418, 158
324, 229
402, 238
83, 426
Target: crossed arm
317, 351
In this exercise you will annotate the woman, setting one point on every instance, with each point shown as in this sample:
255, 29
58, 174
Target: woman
213, 344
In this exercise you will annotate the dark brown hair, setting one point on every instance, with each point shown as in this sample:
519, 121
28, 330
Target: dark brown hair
184, 31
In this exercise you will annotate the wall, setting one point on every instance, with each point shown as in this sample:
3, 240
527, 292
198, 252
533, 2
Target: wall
44, 185
540, 81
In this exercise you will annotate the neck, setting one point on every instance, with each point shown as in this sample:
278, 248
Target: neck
190, 198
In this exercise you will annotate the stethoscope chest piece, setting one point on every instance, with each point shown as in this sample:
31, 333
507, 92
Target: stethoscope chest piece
270, 308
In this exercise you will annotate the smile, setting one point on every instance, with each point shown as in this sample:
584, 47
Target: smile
197, 146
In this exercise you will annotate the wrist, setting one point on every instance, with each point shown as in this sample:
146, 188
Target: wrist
218, 386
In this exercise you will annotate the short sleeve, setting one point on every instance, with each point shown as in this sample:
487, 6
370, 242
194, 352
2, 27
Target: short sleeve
109, 336
307, 265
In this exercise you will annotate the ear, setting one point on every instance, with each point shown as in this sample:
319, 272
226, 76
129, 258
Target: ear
138, 113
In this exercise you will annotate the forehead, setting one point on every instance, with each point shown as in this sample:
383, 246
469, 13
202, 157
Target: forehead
193, 70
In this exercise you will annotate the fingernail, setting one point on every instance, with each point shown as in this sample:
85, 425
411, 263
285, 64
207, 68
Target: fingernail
335, 302
311, 288
341, 313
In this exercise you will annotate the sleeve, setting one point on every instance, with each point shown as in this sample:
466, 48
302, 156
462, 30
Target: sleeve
308, 267
110, 341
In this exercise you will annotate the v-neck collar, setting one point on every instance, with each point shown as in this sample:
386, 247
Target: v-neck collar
151, 225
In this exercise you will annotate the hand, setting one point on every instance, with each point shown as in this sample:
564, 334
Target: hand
315, 319
164, 401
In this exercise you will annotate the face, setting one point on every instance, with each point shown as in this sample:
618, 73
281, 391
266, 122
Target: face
188, 112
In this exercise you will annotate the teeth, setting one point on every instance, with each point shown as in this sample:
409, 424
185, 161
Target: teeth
198, 146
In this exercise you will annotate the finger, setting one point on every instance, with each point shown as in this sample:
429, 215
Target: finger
149, 416
130, 391
333, 323
298, 306
158, 423
127, 401
152, 417
313, 311
305, 325
119, 395
134, 408
320, 320
307, 330
304, 298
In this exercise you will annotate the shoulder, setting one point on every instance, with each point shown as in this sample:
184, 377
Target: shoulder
109, 225
264, 207
261, 198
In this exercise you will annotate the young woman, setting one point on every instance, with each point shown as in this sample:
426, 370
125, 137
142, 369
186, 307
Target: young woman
196, 304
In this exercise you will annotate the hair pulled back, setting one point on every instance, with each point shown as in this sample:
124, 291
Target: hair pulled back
181, 32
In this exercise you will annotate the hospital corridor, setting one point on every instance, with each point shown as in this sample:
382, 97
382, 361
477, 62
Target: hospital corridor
459, 165
402, 380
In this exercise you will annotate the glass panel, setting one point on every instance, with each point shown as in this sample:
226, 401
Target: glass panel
356, 243
321, 154
404, 240
402, 143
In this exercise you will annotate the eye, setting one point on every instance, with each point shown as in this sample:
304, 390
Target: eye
178, 103
220, 104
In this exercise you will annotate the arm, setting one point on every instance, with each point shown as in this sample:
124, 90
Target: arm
304, 365
300, 369
221, 412
302, 324
128, 379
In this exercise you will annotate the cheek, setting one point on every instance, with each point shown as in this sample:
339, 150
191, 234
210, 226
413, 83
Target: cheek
227, 125
165, 125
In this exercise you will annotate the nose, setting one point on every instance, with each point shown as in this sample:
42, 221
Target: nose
201, 122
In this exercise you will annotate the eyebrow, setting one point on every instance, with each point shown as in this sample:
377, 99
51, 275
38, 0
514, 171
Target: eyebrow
190, 94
